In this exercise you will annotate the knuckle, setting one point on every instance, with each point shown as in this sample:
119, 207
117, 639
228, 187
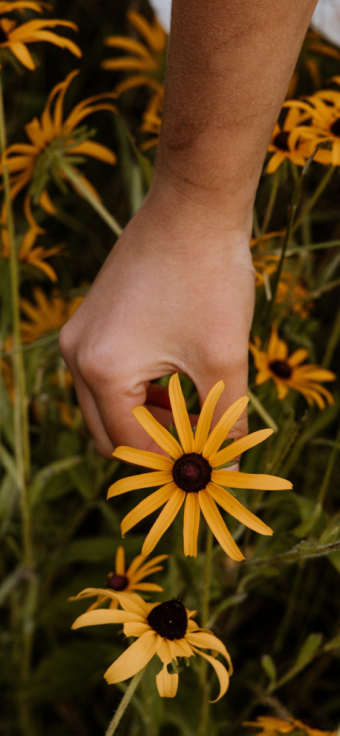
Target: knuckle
66, 342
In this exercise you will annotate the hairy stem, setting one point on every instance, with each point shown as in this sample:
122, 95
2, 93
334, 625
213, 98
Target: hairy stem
124, 703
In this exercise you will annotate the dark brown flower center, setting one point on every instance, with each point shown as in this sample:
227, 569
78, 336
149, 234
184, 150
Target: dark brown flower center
281, 368
281, 140
117, 582
3, 35
191, 472
169, 620
335, 128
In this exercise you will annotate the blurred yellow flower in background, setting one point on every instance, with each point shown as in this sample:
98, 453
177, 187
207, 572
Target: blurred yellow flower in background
48, 314
166, 629
152, 120
14, 37
287, 142
323, 110
34, 255
52, 141
193, 474
288, 373
271, 726
128, 580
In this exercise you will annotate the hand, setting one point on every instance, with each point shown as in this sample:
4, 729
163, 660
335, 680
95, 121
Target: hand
175, 294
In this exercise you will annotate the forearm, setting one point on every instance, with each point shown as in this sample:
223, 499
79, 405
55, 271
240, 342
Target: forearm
230, 62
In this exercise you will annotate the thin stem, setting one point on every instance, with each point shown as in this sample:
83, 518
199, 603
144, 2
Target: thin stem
261, 411
329, 469
205, 617
313, 200
332, 343
124, 703
21, 434
77, 182
271, 202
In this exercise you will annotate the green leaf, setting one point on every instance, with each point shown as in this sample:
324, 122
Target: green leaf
332, 644
46, 474
307, 651
269, 667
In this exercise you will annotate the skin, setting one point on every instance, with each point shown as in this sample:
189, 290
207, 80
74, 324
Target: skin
177, 291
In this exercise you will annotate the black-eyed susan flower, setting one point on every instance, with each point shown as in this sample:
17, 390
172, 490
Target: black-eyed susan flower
192, 474
323, 111
287, 372
152, 120
287, 142
271, 726
48, 314
14, 38
143, 56
52, 141
166, 629
34, 255
128, 580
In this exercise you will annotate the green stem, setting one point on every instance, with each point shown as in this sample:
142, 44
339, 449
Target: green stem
205, 617
261, 411
21, 431
77, 182
271, 202
329, 469
332, 343
313, 200
124, 703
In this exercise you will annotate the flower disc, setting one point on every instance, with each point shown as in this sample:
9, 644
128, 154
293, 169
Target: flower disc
281, 368
169, 620
117, 582
191, 472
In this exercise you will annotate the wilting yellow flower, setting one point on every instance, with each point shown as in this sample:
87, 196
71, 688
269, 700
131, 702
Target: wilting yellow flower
165, 629
293, 293
287, 371
192, 473
53, 140
128, 580
48, 314
144, 57
270, 726
32, 254
323, 109
287, 142
14, 37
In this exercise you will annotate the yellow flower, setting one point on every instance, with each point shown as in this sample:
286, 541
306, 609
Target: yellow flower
165, 629
192, 473
29, 253
144, 57
128, 580
287, 371
270, 726
292, 293
7, 370
323, 109
152, 120
287, 142
53, 140
47, 315
15, 37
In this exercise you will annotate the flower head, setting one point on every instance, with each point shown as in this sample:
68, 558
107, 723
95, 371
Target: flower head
322, 109
48, 314
52, 141
287, 142
14, 37
165, 629
130, 579
271, 726
287, 372
34, 255
192, 474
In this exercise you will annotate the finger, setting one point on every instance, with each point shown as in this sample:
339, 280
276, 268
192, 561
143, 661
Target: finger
92, 418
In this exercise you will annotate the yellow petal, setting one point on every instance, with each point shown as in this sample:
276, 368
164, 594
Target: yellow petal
182, 648
164, 651
128, 44
164, 520
148, 586
144, 573
277, 349
180, 414
236, 509
160, 435
96, 150
134, 659
298, 357
207, 640
144, 458
132, 602
21, 52
191, 524
145, 569
205, 417
134, 482
281, 387
236, 448
106, 616
135, 629
231, 479
120, 561
135, 564
222, 428
221, 673
218, 527
147, 506
167, 684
